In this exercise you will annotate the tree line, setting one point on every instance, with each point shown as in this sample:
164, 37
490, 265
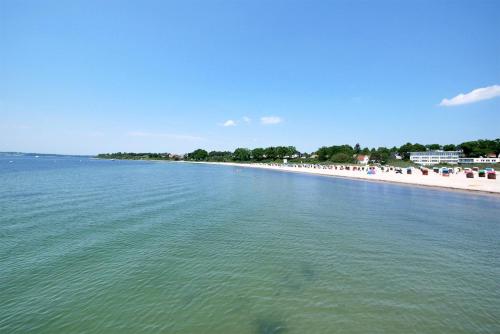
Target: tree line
140, 156
244, 154
335, 154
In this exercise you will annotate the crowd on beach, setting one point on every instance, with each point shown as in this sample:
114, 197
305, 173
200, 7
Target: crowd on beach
488, 173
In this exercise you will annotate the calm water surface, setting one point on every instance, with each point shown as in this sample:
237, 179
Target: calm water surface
90, 246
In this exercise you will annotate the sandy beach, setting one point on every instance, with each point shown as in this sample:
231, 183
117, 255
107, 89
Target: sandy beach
456, 181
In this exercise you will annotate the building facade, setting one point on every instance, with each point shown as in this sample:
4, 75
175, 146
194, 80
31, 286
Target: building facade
449, 157
363, 159
435, 157
479, 160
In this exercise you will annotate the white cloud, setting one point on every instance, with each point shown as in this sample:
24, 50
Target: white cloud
269, 120
246, 119
164, 135
229, 122
476, 95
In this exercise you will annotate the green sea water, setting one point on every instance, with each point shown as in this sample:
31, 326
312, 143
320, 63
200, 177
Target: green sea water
93, 246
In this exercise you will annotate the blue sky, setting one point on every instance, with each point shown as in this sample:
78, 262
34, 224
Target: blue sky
85, 77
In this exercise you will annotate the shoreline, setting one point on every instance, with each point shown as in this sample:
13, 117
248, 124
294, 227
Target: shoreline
454, 182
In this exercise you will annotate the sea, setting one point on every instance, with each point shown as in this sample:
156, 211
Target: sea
102, 246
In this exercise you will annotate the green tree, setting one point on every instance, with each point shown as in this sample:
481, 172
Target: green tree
381, 155
323, 153
220, 156
258, 154
405, 149
326, 153
241, 154
271, 153
342, 158
449, 147
291, 150
433, 147
481, 147
365, 151
281, 151
198, 155
418, 148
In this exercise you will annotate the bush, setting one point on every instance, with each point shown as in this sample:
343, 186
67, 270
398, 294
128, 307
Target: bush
342, 157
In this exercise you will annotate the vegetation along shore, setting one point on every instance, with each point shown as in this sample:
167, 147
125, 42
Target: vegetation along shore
380, 164
343, 154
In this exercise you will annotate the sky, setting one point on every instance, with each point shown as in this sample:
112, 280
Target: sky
85, 77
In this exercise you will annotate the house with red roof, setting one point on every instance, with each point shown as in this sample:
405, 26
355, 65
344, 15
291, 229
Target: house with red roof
363, 159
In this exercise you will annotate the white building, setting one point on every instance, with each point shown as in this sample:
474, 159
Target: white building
478, 160
435, 157
363, 159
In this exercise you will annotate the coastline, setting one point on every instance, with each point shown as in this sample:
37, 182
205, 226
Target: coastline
456, 182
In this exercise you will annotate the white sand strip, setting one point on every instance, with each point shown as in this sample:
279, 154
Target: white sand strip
453, 181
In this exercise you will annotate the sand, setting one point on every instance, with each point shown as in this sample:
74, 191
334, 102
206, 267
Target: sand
454, 181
